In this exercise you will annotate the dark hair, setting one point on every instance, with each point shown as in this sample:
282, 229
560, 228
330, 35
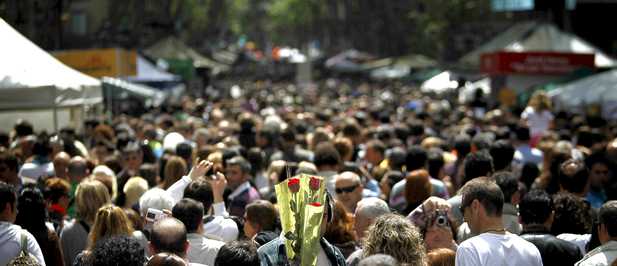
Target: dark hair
42, 147
522, 134
118, 250
31, 213
149, 172
263, 213
462, 145
190, 212
508, 184
237, 253
397, 158
416, 158
529, 173
10, 160
185, 151
535, 207
200, 190
169, 235
7, 195
486, 192
257, 159
435, 162
377, 145
572, 215
326, 154
573, 176
502, 152
477, 164
607, 216
238, 160
23, 128
595, 158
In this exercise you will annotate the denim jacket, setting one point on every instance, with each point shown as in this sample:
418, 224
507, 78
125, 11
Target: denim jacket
273, 253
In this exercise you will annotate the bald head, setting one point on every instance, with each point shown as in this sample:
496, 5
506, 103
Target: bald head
348, 188
169, 235
77, 168
61, 163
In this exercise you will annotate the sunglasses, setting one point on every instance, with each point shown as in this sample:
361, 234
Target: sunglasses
346, 189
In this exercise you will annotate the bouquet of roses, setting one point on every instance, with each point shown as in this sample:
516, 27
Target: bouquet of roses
301, 202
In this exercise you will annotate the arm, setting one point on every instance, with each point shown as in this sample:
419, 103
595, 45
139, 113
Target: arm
177, 189
218, 188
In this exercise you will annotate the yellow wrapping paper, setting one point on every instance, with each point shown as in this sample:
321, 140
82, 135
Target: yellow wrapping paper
301, 201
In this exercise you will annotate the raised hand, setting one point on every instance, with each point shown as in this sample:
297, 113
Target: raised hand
218, 183
200, 169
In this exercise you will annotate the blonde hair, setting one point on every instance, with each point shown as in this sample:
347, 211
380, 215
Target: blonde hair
175, 168
540, 101
133, 189
394, 235
108, 178
110, 221
441, 257
89, 197
418, 186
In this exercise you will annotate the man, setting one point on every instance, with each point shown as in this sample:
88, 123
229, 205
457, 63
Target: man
524, 152
260, 222
598, 167
11, 234
8, 169
40, 166
77, 170
349, 190
475, 165
201, 248
508, 184
273, 252
290, 151
237, 173
169, 235
328, 163
536, 210
482, 205
375, 153
574, 177
61, 163
367, 211
607, 233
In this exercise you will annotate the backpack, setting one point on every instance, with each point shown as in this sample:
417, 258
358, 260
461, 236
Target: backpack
24, 258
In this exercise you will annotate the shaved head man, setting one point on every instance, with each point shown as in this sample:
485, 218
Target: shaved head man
348, 188
61, 164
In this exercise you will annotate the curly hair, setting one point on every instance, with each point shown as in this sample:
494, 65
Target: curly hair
572, 215
394, 235
118, 250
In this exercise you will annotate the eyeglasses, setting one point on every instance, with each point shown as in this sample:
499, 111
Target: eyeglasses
346, 189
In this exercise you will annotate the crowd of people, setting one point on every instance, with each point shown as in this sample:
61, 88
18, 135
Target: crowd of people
411, 179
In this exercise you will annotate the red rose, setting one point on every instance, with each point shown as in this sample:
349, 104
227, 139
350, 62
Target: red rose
294, 185
316, 204
314, 183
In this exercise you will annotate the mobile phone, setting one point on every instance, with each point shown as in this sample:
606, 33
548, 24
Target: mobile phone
154, 215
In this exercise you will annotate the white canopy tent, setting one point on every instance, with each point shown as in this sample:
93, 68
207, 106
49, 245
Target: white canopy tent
147, 71
440, 83
31, 79
537, 37
599, 89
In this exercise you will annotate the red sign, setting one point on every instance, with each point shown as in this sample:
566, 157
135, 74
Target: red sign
538, 63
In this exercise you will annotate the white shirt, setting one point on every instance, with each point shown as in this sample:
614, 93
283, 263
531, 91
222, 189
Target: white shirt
202, 249
497, 250
36, 171
10, 243
538, 123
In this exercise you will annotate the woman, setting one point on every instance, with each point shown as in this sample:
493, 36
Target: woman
340, 231
175, 168
31, 216
57, 191
89, 197
537, 116
110, 221
418, 188
394, 235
